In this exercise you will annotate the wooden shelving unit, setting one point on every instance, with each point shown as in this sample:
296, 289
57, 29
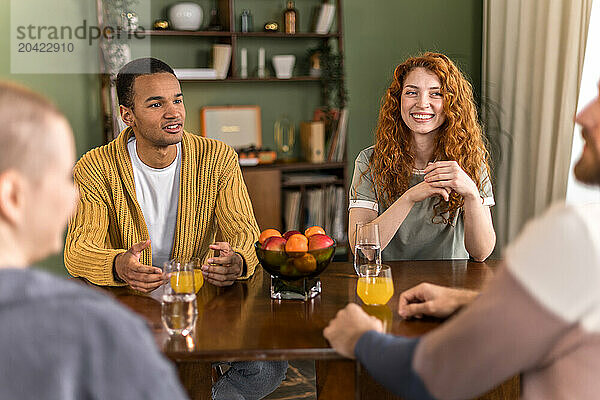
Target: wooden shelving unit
228, 35
255, 80
274, 35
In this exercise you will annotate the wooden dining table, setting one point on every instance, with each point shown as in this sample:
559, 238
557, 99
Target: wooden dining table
242, 322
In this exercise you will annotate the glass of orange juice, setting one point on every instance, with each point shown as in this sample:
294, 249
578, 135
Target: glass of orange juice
375, 285
198, 277
181, 281
178, 303
180, 277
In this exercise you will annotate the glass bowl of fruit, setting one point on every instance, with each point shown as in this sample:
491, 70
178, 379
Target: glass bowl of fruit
295, 258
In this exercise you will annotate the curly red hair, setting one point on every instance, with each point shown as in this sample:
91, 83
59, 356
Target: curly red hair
459, 138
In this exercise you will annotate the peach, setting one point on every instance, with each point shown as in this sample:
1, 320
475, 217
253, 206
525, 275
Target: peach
287, 235
288, 268
313, 230
274, 243
319, 241
306, 263
275, 251
296, 245
267, 233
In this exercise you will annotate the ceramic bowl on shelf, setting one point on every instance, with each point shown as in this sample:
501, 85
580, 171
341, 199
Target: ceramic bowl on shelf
186, 16
291, 266
283, 65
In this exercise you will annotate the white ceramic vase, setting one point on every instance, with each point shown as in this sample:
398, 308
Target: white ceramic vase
186, 16
283, 65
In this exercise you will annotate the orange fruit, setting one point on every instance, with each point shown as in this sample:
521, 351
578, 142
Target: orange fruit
267, 233
313, 230
297, 244
306, 263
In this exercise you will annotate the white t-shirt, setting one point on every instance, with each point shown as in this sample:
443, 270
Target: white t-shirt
157, 192
557, 259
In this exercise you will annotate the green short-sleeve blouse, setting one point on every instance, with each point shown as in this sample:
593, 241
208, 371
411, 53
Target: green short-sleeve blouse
418, 238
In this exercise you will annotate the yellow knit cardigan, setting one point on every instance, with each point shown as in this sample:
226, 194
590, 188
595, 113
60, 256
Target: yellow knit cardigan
109, 220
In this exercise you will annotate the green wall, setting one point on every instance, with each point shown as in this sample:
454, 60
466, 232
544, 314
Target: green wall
379, 34
75, 94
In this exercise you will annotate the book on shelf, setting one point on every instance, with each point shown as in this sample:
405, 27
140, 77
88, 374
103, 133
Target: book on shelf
315, 215
337, 144
338, 204
343, 134
291, 216
308, 179
322, 207
331, 205
325, 18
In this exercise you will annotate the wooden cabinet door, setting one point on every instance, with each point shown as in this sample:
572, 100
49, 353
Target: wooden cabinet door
264, 189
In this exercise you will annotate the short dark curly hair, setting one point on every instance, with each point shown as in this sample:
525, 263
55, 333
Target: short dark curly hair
133, 69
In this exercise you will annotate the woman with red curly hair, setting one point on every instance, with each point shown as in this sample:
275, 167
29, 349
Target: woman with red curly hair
426, 180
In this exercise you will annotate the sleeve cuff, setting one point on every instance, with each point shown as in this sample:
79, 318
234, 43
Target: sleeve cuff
111, 278
244, 266
371, 205
247, 269
388, 359
114, 270
488, 201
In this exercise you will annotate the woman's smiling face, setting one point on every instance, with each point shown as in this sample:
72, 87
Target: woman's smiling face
422, 103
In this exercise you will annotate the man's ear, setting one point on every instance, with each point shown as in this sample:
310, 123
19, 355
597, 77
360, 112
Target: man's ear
127, 115
12, 197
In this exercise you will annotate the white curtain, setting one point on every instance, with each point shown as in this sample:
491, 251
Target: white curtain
532, 60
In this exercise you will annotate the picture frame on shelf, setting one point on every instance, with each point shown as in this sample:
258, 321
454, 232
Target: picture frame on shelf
237, 126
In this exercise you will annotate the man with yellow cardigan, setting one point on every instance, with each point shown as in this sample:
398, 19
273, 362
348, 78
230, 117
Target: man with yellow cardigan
157, 192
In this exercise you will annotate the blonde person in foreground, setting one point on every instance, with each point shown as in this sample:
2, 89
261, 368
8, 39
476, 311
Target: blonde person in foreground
59, 340
157, 192
539, 317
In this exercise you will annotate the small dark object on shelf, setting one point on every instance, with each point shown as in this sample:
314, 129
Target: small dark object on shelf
246, 24
215, 22
271, 27
161, 24
263, 155
290, 18
129, 21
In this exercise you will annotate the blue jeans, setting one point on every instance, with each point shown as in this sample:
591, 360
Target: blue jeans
249, 380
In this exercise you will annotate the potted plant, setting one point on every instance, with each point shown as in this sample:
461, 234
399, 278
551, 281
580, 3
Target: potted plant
328, 65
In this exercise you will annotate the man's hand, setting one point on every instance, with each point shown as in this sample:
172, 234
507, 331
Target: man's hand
225, 268
347, 327
433, 300
138, 276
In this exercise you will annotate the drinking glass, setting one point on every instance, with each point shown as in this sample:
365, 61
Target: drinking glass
367, 247
382, 313
198, 276
375, 285
179, 310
